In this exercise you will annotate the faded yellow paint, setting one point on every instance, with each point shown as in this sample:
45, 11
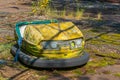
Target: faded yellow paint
34, 34
53, 31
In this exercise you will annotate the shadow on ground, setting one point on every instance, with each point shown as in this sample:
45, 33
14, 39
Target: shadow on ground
96, 25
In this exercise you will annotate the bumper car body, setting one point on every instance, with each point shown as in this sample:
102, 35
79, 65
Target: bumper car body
50, 44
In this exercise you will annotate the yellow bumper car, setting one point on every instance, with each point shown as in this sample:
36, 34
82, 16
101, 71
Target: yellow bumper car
49, 44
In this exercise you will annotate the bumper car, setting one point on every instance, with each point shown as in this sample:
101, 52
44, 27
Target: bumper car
49, 44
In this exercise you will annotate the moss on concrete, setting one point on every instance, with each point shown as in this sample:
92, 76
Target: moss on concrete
110, 55
117, 74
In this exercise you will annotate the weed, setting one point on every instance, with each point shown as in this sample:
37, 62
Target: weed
63, 14
99, 16
79, 14
40, 7
70, 15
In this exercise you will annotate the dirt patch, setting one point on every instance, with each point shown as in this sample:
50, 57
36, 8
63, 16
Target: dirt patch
7, 72
98, 77
13, 6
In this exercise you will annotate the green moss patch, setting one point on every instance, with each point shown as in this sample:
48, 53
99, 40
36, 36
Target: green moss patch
78, 72
5, 51
98, 36
44, 78
117, 74
2, 78
100, 62
93, 65
111, 38
110, 55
